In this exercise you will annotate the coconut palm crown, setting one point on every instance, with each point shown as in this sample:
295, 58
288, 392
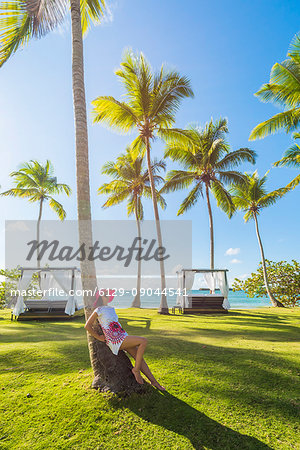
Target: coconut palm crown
291, 158
252, 197
208, 165
37, 183
283, 90
130, 182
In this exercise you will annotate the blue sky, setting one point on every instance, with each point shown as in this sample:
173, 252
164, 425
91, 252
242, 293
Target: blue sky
227, 50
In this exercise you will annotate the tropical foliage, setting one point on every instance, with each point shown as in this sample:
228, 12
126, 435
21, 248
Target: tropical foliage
131, 182
21, 21
208, 166
11, 280
252, 197
284, 280
291, 158
150, 105
283, 90
36, 183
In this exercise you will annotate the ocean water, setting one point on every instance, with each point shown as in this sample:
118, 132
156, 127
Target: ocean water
237, 300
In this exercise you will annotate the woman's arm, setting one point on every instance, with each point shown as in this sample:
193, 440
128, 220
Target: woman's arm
89, 327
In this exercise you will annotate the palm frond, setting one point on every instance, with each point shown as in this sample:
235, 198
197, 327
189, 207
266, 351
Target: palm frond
114, 113
223, 198
293, 183
231, 177
236, 157
57, 208
92, 12
287, 120
116, 198
191, 199
272, 197
59, 188
175, 136
30, 194
138, 147
291, 158
177, 179
45, 15
136, 74
249, 215
167, 98
183, 155
16, 28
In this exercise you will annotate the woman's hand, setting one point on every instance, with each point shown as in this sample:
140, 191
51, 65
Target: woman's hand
89, 327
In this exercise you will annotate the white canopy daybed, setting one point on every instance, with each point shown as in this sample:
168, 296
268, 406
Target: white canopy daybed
213, 277
59, 286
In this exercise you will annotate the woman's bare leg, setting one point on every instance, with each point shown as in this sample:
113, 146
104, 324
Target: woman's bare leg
145, 369
140, 343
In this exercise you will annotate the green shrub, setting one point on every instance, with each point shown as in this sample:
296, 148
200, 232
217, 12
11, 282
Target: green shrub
284, 280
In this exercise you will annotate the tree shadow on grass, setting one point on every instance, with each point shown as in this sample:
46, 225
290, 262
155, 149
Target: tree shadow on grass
173, 414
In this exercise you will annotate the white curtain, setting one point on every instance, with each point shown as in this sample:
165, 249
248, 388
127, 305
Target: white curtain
78, 287
210, 278
222, 278
187, 283
63, 279
46, 281
180, 298
23, 284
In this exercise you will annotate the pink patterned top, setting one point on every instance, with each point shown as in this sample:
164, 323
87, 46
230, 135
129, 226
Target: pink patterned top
113, 332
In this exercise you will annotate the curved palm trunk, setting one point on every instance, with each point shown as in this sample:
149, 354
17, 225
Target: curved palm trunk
163, 307
38, 230
110, 372
211, 228
271, 296
137, 299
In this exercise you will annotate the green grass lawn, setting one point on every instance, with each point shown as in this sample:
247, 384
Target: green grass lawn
233, 383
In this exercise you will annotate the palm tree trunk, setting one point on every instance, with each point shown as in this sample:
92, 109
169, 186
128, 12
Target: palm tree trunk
110, 372
163, 307
271, 296
211, 228
137, 299
38, 230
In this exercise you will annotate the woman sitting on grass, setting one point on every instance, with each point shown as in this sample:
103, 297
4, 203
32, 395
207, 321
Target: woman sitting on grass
117, 339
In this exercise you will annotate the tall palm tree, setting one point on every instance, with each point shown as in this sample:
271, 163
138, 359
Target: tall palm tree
283, 89
208, 166
37, 183
131, 182
291, 158
19, 22
252, 197
151, 101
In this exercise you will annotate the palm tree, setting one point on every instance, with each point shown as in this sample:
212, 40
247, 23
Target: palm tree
151, 102
252, 197
291, 158
283, 89
131, 182
208, 165
37, 183
19, 22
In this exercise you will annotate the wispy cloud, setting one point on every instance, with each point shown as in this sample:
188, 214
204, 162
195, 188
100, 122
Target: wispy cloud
232, 251
235, 261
